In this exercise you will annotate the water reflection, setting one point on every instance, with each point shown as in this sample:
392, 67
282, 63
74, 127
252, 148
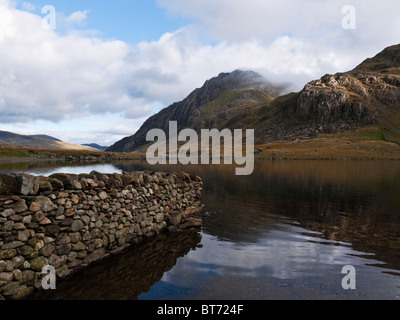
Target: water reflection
353, 202
47, 168
302, 219
283, 266
126, 275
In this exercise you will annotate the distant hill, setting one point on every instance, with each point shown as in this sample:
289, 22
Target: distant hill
96, 146
44, 136
38, 141
367, 96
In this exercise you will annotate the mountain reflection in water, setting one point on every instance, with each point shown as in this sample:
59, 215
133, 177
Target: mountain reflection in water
286, 231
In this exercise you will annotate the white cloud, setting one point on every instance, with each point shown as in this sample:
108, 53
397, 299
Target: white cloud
47, 76
167, 70
75, 18
102, 129
28, 6
313, 22
234, 20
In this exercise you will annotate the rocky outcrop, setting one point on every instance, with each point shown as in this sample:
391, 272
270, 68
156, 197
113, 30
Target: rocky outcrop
367, 95
69, 221
335, 98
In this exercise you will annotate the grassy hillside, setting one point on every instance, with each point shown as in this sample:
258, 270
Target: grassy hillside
366, 143
38, 141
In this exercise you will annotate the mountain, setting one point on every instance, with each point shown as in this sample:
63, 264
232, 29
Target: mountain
366, 97
96, 146
38, 141
218, 100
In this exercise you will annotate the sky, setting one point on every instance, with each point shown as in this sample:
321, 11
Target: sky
98, 70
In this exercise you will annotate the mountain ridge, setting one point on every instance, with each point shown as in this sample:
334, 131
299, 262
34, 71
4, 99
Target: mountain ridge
44, 136
386, 61
368, 95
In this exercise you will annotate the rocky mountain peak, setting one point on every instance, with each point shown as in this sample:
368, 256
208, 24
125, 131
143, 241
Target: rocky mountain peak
185, 110
190, 112
235, 80
239, 79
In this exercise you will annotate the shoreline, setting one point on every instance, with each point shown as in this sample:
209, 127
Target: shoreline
256, 158
326, 147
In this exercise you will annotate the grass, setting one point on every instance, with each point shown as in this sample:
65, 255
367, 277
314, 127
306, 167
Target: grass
370, 133
392, 128
32, 153
12, 152
364, 144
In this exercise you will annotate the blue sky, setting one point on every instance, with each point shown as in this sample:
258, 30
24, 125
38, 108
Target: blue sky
108, 66
129, 20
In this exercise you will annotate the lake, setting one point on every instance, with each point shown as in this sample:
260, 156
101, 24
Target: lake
285, 232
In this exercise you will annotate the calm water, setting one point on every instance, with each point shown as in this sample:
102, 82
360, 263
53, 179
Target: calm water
283, 233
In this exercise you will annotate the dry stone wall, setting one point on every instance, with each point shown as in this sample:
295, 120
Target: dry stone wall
68, 221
